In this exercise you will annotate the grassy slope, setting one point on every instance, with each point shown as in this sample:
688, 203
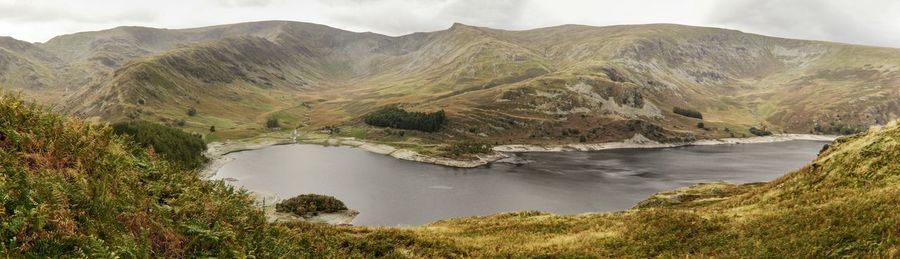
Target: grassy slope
72, 188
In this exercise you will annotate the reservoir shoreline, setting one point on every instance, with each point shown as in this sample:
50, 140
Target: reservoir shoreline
388, 191
218, 152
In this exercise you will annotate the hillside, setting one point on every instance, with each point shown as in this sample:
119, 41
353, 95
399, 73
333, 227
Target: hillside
74, 189
552, 85
27, 68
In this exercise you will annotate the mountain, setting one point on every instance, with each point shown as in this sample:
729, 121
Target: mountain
74, 189
551, 85
25, 67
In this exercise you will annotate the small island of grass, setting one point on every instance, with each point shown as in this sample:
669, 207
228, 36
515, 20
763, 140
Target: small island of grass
309, 205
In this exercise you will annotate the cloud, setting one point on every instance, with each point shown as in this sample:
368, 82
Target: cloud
497, 13
36, 12
872, 22
396, 17
246, 3
861, 21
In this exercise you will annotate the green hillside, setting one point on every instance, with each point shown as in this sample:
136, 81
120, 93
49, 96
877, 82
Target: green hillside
72, 188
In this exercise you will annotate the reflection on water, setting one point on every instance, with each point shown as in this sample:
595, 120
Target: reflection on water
388, 191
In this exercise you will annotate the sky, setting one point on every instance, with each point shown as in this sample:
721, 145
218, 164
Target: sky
869, 22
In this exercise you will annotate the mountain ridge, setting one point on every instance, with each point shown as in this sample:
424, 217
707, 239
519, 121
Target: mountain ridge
546, 85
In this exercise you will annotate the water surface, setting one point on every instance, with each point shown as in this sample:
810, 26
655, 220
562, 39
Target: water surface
389, 191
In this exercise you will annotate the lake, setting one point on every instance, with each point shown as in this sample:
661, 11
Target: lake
388, 191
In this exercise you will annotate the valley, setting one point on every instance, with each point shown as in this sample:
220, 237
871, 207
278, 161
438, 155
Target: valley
650, 140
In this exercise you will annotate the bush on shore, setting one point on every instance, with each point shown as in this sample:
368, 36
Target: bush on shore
469, 147
760, 132
272, 123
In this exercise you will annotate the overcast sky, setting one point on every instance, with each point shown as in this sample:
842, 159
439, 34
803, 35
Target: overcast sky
871, 22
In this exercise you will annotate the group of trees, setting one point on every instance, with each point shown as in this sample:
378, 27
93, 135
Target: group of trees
182, 148
306, 205
395, 117
687, 112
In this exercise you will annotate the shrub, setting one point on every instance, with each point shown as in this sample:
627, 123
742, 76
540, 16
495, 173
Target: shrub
333, 129
700, 125
272, 123
192, 112
469, 147
172, 144
395, 117
306, 205
838, 129
687, 112
212, 128
760, 132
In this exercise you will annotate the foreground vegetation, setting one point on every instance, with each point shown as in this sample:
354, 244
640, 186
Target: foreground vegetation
72, 189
